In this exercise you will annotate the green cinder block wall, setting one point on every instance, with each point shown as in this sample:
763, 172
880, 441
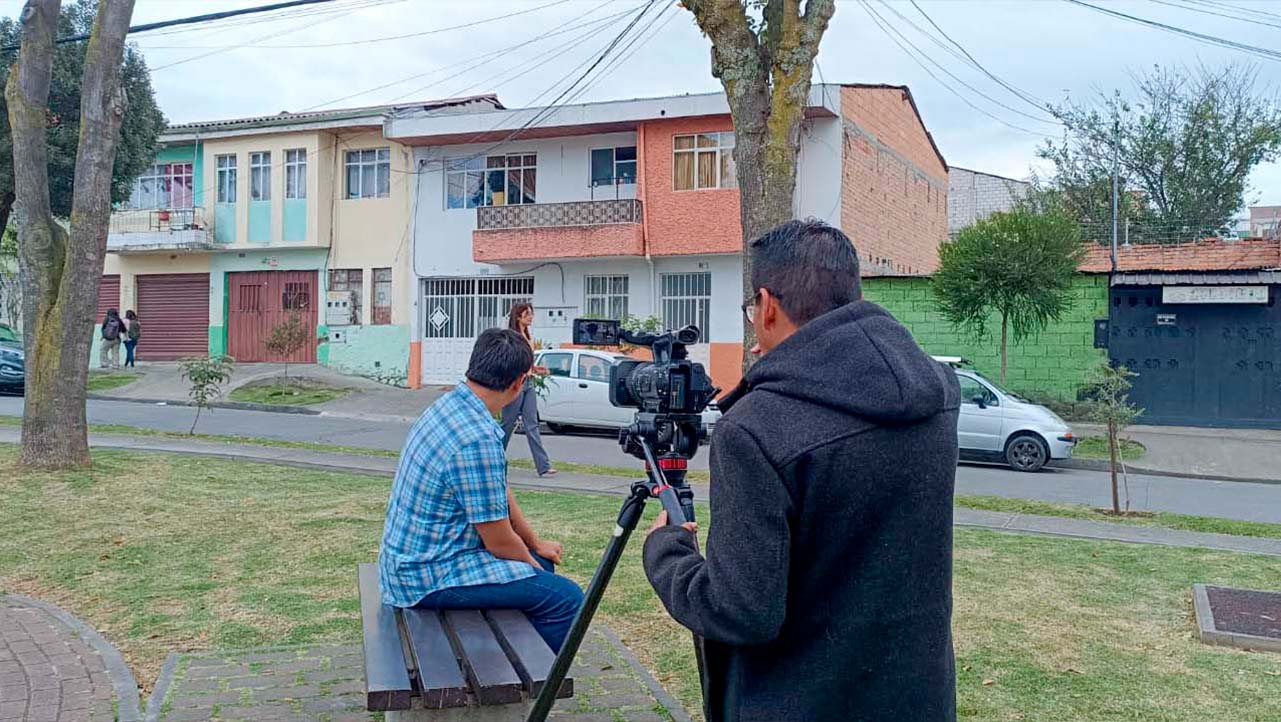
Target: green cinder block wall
1053, 363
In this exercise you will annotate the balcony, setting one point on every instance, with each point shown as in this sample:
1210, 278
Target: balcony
159, 230
580, 229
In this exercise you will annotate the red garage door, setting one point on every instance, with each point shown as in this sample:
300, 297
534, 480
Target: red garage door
258, 301
108, 297
174, 311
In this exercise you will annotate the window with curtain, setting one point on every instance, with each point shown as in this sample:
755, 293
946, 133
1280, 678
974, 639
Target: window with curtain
296, 173
260, 176
497, 180
614, 166
162, 186
226, 165
704, 160
350, 280
369, 173
605, 297
687, 299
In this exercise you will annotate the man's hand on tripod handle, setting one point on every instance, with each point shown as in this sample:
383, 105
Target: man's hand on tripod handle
662, 521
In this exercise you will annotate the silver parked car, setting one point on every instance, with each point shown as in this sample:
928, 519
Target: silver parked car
578, 392
996, 424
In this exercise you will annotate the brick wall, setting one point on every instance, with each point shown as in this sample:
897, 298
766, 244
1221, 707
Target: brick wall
893, 183
1054, 363
973, 196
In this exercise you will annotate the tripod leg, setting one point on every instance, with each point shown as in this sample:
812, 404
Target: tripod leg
628, 517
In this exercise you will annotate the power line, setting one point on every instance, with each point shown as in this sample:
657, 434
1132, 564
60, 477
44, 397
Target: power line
1229, 6
1255, 21
385, 38
1265, 53
885, 27
208, 17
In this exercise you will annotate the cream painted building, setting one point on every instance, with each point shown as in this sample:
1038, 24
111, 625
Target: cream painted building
242, 225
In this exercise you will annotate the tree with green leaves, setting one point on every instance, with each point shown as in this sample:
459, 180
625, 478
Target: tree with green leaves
763, 53
1108, 394
1016, 266
1184, 143
286, 339
61, 264
206, 374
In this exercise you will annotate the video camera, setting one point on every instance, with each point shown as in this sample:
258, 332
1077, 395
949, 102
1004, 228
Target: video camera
670, 393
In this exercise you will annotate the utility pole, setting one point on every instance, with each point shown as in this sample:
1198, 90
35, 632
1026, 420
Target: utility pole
1116, 142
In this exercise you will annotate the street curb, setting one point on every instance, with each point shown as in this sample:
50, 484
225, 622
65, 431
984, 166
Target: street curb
1102, 465
156, 702
237, 405
128, 707
661, 695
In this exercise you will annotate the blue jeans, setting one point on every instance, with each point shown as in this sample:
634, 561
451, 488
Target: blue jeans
550, 601
129, 346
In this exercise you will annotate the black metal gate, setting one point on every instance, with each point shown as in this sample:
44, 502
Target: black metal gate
1213, 364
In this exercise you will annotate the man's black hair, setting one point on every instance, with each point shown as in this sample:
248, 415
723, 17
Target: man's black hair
810, 266
499, 357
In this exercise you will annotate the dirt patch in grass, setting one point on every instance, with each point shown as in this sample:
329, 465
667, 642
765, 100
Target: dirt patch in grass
287, 392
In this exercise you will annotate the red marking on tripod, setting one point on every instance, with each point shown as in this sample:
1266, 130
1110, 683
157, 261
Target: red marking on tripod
662, 489
673, 464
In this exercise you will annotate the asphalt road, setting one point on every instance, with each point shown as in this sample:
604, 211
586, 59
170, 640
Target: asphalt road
1232, 500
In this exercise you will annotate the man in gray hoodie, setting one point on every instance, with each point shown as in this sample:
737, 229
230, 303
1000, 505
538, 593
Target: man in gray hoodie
826, 589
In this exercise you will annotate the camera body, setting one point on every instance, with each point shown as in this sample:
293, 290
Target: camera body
669, 393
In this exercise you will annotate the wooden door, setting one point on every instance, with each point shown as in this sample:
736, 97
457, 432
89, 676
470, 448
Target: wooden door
258, 301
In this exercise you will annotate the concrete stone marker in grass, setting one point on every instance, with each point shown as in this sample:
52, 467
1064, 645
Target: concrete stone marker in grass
1243, 618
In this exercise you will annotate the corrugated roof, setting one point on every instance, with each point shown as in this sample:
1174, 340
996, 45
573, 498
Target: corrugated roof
1197, 279
1212, 254
324, 116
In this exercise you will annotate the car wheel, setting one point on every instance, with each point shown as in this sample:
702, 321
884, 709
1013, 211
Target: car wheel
556, 428
1027, 452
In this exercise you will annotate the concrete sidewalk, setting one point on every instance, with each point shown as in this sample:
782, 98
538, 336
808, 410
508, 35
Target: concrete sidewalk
1235, 454
385, 466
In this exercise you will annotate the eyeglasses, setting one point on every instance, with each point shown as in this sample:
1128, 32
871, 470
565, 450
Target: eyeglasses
749, 306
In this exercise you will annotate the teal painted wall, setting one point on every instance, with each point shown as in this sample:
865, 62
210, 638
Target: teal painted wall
379, 352
217, 340
225, 222
260, 221
220, 264
188, 153
1054, 363
295, 219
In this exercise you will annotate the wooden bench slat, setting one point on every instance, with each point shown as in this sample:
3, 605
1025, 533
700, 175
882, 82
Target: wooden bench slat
529, 654
440, 681
386, 677
492, 677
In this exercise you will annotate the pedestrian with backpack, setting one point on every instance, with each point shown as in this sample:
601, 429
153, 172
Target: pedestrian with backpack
133, 332
113, 328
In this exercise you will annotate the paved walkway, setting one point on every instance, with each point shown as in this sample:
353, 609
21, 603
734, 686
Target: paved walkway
54, 668
326, 684
1242, 454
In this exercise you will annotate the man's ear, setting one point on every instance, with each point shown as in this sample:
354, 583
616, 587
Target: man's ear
517, 383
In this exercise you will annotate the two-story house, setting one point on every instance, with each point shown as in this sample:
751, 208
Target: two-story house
631, 208
243, 224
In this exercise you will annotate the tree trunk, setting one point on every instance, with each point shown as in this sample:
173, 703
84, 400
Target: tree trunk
61, 271
1116, 498
767, 84
1005, 329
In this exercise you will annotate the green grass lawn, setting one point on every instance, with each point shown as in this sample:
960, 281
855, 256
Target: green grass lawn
1096, 447
288, 392
167, 553
108, 380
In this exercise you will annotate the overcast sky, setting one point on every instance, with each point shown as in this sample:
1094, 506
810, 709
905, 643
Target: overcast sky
1049, 48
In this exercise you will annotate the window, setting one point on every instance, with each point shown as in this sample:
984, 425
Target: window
382, 296
296, 173
702, 161
971, 390
350, 280
612, 166
226, 178
498, 180
162, 186
593, 368
605, 296
558, 363
296, 296
369, 173
687, 299
260, 176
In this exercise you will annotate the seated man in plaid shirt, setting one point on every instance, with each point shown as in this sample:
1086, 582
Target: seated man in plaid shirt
455, 537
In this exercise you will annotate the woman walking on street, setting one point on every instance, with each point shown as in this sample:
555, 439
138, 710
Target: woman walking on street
133, 332
525, 406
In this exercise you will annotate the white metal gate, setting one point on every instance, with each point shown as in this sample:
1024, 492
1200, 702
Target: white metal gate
455, 311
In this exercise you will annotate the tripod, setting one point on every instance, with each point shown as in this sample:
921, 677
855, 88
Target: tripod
678, 501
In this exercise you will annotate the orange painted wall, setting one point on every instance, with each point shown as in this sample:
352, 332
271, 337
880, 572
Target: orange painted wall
893, 184
527, 244
415, 364
727, 365
685, 222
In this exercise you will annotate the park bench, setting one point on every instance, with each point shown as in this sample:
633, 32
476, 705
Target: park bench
452, 665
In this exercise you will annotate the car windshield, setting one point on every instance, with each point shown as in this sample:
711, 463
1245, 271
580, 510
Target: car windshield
997, 386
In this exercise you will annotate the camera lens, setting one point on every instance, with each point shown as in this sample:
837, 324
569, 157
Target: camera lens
688, 335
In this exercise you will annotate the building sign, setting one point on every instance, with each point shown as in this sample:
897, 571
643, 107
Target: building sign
1166, 319
1214, 294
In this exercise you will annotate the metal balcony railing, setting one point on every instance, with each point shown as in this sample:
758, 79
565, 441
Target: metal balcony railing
158, 220
558, 215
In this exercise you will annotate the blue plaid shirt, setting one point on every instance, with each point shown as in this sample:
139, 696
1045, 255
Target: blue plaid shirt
452, 476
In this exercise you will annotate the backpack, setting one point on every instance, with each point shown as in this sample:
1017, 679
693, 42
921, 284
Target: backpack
111, 329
